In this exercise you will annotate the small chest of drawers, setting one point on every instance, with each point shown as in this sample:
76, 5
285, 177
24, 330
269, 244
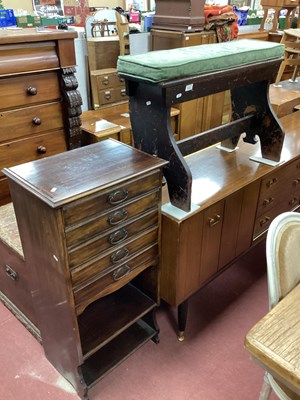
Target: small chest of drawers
107, 87
89, 222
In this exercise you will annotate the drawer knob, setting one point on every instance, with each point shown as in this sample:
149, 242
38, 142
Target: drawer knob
272, 182
36, 121
105, 80
117, 217
41, 149
123, 92
119, 255
214, 220
118, 196
11, 273
118, 236
121, 272
32, 91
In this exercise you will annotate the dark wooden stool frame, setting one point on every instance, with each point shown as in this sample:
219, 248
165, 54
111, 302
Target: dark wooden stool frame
150, 103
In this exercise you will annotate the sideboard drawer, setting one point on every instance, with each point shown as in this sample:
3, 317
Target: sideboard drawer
30, 121
21, 151
112, 95
29, 89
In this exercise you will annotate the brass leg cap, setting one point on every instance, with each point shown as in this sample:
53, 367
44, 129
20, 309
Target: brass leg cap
181, 336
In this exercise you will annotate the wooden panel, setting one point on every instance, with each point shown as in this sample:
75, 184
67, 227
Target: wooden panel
30, 121
29, 89
66, 53
4, 192
103, 52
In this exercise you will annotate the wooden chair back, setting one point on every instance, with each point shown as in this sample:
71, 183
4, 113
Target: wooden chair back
123, 33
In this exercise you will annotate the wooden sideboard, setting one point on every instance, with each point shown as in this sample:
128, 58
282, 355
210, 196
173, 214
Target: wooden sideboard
237, 198
39, 102
91, 249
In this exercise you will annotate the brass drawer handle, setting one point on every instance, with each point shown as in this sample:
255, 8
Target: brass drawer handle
118, 236
118, 196
263, 221
214, 220
121, 272
105, 80
41, 149
11, 273
272, 182
123, 92
296, 182
117, 217
36, 121
107, 95
119, 255
32, 91
268, 201
293, 201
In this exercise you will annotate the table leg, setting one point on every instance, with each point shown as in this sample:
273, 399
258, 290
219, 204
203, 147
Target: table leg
182, 317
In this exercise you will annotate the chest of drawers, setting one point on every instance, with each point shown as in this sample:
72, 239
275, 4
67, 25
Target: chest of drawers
89, 222
40, 106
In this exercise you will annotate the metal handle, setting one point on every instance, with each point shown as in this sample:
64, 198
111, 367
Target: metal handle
268, 201
105, 80
107, 95
121, 272
32, 91
117, 217
272, 182
118, 236
296, 182
293, 201
11, 273
118, 196
123, 92
263, 221
119, 255
214, 220
36, 121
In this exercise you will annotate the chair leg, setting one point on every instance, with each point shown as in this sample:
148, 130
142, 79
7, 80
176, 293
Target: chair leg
266, 389
280, 73
294, 77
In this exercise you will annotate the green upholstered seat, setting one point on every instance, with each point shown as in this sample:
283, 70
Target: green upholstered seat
161, 65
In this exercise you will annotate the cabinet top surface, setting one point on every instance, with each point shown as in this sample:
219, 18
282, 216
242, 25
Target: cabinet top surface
217, 174
70, 175
8, 36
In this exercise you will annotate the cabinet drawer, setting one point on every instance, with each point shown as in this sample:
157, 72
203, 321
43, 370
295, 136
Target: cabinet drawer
288, 204
114, 278
30, 121
33, 148
116, 195
114, 218
109, 80
29, 89
111, 95
115, 256
24, 57
116, 237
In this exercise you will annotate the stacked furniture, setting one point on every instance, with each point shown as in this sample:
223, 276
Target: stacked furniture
218, 208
